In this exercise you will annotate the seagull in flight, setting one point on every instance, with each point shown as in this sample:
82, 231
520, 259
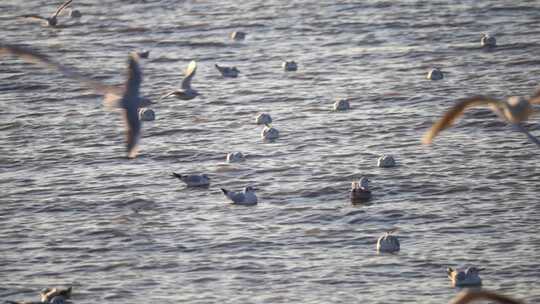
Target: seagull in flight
52, 20
125, 97
186, 93
515, 110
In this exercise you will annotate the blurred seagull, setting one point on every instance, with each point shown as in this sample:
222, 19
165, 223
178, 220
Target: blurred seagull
488, 41
227, 71
186, 93
471, 295
194, 180
246, 198
515, 110
388, 242
125, 97
52, 20
465, 277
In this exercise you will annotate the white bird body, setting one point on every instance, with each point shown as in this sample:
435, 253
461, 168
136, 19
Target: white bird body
388, 243
263, 119
386, 161
269, 133
246, 198
342, 105
435, 74
235, 157
194, 180
464, 277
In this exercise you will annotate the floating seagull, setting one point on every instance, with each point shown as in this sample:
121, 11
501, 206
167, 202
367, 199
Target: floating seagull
194, 180
246, 198
238, 36
52, 20
227, 71
360, 192
143, 53
74, 13
269, 133
515, 110
186, 93
435, 74
263, 119
235, 157
48, 294
125, 97
386, 161
388, 242
289, 66
342, 105
488, 41
471, 295
146, 114
468, 277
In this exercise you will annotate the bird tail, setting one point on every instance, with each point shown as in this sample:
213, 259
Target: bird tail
179, 176
224, 191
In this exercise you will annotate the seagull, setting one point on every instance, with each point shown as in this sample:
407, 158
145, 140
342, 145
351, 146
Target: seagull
227, 71
146, 114
386, 161
488, 41
125, 97
47, 294
515, 110
388, 242
235, 157
246, 198
269, 133
342, 105
52, 20
74, 13
289, 66
471, 295
263, 119
194, 180
360, 192
186, 93
238, 36
468, 277
435, 74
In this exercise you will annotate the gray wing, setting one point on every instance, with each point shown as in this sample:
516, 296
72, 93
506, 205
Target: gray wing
110, 92
61, 8
130, 103
238, 197
190, 72
33, 16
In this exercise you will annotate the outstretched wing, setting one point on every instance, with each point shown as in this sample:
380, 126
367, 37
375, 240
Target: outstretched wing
61, 8
190, 72
455, 112
33, 16
130, 103
110, 92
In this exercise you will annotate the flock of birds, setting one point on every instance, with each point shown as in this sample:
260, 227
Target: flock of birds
515, 111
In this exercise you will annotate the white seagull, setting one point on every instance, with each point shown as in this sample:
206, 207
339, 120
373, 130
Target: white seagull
464, 277
246, 198
488, 41
263, 119
125, 97
435, 74
386, 161
186, 93
388, 242
229, 72
194, 180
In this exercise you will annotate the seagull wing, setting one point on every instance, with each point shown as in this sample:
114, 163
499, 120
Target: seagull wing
110, 92
457, 110
130, 103
33, 16
190, 72
469, 296
61, 8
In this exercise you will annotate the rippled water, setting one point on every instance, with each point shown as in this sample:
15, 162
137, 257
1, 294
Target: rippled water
75, 212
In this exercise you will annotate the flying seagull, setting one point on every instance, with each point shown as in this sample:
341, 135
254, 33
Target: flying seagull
515, 110
125, 97
52, 20
186, 93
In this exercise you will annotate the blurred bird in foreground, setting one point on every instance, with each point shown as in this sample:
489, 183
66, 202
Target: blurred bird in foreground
52, 20
515, 110
470, 295
125, 97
